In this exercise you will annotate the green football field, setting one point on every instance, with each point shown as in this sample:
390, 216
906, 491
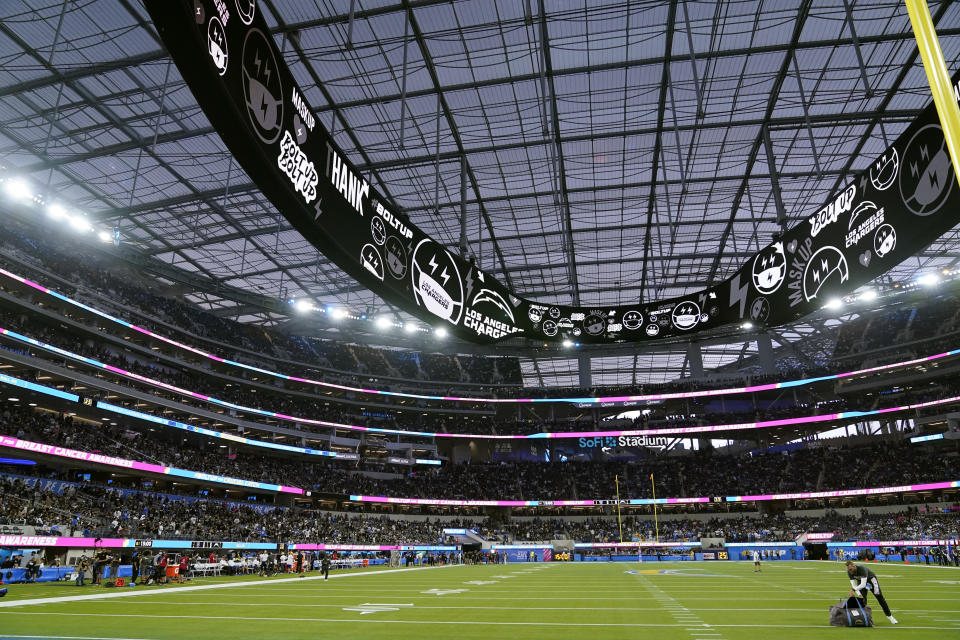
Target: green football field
698, 601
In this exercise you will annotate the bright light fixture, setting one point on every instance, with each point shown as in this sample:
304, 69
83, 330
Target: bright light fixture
567, 343
441, 332
833, 304
747, 325
56, 212
928, 279
79, 223
383, 322
869, 295
18, 189
303, 306
337, 313
104, 237
410, 327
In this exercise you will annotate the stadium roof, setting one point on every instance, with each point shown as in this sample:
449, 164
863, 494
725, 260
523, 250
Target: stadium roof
613, 151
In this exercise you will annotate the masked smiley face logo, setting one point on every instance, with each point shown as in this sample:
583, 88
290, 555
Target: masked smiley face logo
686, 315
826, 265
437, 285
593, 324
884, 171
926, 180
247, 9
262, 88
371, 261
632, 320
217, 44
884, 240
769, 268
760, 310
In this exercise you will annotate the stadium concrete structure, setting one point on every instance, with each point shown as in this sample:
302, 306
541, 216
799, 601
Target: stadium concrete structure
576, 285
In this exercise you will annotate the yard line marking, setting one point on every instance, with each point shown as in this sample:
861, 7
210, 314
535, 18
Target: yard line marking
375, 607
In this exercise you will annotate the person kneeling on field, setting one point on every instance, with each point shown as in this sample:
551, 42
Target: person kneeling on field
864, 581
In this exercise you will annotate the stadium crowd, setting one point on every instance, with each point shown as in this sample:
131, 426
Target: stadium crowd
317, 406
702, 473
158, 313
98, 510
927, 329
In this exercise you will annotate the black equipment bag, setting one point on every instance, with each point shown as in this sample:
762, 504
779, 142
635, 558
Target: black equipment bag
851, 613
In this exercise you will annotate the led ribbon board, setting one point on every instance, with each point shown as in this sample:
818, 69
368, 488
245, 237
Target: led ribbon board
633, 545
520, 503
605, 401
113, 461
931, 486
120, 543
597, 438
228, 58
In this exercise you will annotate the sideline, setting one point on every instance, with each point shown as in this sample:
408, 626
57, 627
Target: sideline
199, 587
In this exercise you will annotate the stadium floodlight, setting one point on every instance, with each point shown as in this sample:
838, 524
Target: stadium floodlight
18, 189
410, 327
833, 304
80, 224
929, 280
56, 211
567, 343
441, 332
337, 313
383, 322
303, 306
105, 236
869, 295
747, 325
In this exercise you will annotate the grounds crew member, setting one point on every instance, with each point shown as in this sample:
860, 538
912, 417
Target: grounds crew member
864, 581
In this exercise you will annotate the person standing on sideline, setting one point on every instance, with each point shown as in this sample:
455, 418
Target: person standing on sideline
325, 567
82, 567
864, 581
135, 567
756, 562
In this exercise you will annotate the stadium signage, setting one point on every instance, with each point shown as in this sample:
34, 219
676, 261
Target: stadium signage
298, 168
86, 456
28, 541
624, 442
252, 99
832, 211
303, 110
52, 450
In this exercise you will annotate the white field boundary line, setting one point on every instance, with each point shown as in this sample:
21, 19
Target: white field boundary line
200, 587
451, 622
458, 606
7, 635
